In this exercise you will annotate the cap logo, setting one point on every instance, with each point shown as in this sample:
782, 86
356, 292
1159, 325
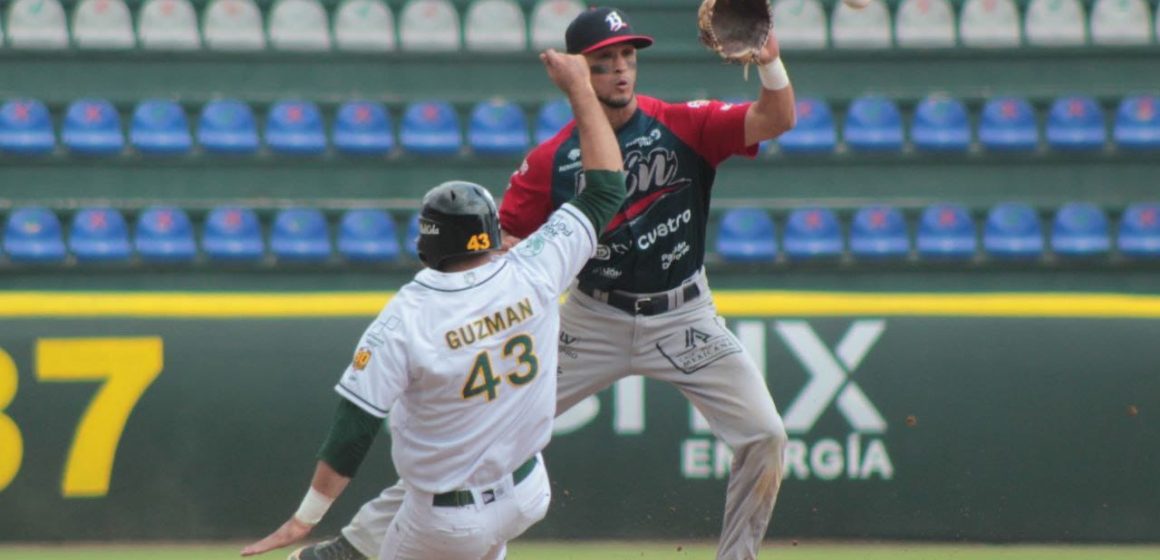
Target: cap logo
615, 23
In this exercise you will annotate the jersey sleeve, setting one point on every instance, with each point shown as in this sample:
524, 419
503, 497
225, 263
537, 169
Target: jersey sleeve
554, 254
715, 129
378, 373
527, 202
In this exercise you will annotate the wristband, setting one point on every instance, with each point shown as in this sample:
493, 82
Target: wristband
773, 75
313, 507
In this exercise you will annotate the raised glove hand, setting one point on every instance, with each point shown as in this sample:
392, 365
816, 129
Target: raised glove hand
738, 30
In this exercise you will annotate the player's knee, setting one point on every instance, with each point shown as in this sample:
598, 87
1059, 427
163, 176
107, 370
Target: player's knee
773, 441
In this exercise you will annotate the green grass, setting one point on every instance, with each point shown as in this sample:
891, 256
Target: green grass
581, 550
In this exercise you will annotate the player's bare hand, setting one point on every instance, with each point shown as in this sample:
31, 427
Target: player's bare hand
289, 533
568, 71
770, 51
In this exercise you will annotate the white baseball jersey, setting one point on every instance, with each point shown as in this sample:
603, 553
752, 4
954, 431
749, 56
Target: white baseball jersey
465, 362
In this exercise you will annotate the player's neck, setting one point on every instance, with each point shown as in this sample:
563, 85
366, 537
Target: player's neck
618, 116
467, 264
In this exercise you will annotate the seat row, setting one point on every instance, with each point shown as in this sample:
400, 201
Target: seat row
235, 234
1010, 231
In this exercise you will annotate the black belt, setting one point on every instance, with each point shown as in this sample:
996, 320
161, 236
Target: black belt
643, 305
460, 498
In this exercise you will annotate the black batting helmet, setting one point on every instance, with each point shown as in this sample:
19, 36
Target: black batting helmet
458, 219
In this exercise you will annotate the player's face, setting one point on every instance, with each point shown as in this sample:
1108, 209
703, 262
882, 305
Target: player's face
613, 70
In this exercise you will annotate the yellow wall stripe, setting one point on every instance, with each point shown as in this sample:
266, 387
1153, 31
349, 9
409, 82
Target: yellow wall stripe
221, 305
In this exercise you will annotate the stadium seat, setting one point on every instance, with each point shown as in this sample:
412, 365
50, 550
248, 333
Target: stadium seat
33, 235
812, 233
554, 115
1076, 123
1080, 229
37, 24
227, 126
363, 128
550, 18
498, 127
431, 128
367, 235
234, 25
1013, 231
865, 28
299, 25
168, 25
232, 233
99, 235
990, 23
26, 128
1138, 123
159, 126
801, 24
295, 128
873, 124
925, 24
879, 232
412, 241
364, 25
1139, 234
495, 25
941, 124
815, 131
946, 231
1008, 124
165, 234
1121, 22
429, 25
103, 24
92, 127
746, 235
300, 234
1055, 23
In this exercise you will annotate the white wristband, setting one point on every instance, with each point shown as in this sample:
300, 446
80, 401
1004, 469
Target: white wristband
313, 507
773, 75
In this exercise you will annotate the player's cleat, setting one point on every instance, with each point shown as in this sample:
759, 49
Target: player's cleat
334, 549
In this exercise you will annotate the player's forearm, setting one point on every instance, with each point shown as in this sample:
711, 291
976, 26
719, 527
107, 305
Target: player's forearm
603, 195
351, 434
773, 113
599, 149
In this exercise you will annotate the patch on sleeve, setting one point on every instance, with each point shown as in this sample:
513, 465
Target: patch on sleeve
361, 359
531, 246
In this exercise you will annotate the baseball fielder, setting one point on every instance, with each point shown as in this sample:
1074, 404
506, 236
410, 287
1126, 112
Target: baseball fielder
464, 359
635, 301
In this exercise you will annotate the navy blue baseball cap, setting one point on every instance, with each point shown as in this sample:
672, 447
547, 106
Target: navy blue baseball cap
599, 27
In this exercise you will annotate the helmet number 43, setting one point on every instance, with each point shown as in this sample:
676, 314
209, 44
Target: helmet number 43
479, 242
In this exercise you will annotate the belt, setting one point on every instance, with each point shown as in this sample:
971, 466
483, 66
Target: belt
653, 304
460, 498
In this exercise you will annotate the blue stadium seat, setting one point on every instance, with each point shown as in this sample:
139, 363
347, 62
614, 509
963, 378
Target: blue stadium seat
812, 233
1138, 123
300, 234
227, 126
431, 128
99, 235
232, 234
873, 124
746, 234
941, 125
1076, 123
1008, 124
363, 128
815, 131
498, 127
1139, 234
946, 231
879, 232
368, 235
165, 234
33, 235
553, 116
1013, 231
92, 127
26, 128
412, 241
1080, 229
295, 128
159, 127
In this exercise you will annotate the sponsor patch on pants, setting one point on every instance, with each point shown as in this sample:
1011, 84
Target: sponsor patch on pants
697, 347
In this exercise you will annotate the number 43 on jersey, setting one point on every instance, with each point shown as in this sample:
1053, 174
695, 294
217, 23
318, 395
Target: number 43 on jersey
482, 381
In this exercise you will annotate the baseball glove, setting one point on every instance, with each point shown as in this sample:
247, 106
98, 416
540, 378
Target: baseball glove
735, 29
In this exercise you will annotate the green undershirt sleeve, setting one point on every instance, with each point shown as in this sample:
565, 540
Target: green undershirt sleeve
602, 196
350, 438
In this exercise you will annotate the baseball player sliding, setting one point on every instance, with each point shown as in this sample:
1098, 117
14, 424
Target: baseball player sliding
470, 390
634, 302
